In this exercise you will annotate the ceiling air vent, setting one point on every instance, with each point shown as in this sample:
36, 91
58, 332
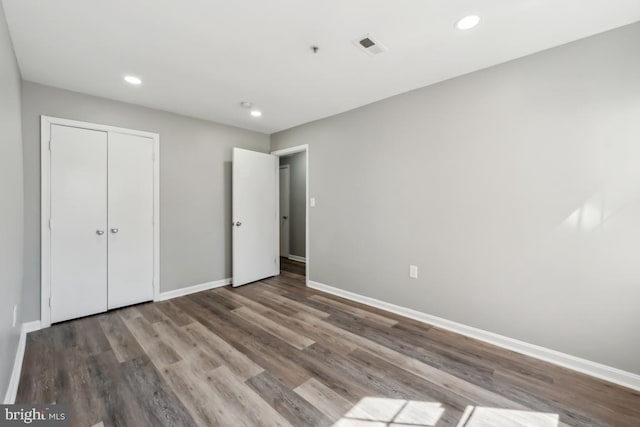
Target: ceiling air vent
369, 44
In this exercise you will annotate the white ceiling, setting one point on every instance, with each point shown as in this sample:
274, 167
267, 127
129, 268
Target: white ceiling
202, 57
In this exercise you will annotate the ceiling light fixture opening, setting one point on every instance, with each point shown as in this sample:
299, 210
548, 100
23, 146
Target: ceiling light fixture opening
256, 113
133, 80
468, 22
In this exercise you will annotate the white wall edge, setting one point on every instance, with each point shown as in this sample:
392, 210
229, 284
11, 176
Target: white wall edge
14, 381
297, 258
594, 369
193, 289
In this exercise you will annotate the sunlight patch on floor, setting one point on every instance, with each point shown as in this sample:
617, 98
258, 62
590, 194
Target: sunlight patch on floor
497, 417
384, 412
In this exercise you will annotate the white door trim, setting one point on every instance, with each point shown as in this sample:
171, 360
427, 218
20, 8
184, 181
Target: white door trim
45, 207
292, 150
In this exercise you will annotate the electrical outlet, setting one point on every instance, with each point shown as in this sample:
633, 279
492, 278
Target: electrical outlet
15, 315
413, 271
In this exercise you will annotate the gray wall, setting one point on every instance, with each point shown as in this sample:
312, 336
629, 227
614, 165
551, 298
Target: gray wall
195, 184
11, 204
297, 202
515, 190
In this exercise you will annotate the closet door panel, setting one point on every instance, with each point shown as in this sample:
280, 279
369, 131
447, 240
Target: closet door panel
78, 183
130, 219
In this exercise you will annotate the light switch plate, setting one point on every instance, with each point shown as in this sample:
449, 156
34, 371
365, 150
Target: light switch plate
312, 202
413, 271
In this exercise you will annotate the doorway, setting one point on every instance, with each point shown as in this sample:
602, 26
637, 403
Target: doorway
293, 204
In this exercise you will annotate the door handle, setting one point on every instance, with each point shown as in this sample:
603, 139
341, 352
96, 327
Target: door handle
114, 230
99, 232
285, 217
238, 224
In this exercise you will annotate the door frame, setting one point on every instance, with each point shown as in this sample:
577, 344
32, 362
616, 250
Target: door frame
45, 204
288, 224
284, 152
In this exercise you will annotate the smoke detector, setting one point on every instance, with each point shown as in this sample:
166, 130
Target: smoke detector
369, 45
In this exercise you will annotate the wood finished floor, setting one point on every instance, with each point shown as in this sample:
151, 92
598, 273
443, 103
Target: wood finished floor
275, 353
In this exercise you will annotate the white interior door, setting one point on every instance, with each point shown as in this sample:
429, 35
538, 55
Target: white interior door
78, 185
285, 221
131, 219
255, 216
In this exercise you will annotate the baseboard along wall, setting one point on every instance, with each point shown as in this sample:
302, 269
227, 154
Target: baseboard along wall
193, 289
14, 381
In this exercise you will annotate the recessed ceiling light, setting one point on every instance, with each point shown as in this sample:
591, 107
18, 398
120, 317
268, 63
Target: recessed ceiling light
468, 22
132, 80
256, 113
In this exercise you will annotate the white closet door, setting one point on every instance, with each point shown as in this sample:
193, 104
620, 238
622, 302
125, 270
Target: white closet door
130, 219
78, 222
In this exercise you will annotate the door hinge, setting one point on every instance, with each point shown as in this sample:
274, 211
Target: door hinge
49, 223
49, 302
49, 145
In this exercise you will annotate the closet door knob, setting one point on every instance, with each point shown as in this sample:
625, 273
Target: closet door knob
99, 232
114, 230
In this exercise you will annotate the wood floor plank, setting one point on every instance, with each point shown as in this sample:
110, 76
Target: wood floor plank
253, 342
243, 367
240, 300
289, 266
383, 320
187, 347
333, 405
75, 389
466, 368
292, 338
160, 353
120, 405
129, 313
251, 409
93, 339
177, 316
37, 374
286, 402
278, 353
428, 373
63, 335
156, 399
122, 342
268, 299
150, 312
206, 406
295, 305
313, 332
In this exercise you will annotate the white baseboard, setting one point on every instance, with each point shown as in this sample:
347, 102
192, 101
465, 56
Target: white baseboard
12, 390
193, 289
598, 370
297, 258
